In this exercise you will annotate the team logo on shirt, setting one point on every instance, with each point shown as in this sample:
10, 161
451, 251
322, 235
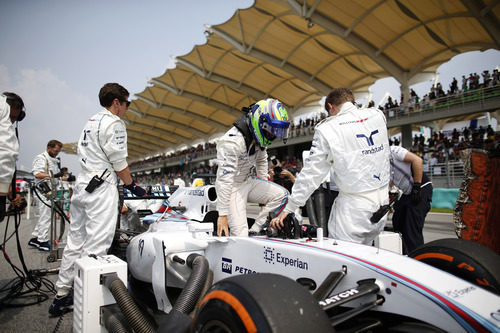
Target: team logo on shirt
369, 139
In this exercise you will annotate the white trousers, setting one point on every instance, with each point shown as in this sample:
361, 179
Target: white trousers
257, 190
42, 227
92, 228
350, 216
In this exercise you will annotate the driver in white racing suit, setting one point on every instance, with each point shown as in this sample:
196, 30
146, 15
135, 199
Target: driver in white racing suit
102, 151
354, 143
240, 151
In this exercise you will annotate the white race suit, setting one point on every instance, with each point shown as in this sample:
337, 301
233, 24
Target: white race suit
9, 146
43, 163
355, 145
236, 185
102, 146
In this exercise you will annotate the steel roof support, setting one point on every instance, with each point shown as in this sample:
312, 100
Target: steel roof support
188, 113
199, 98
155, 138
322, 87
257, 94
485, 18
382, 60
196, 132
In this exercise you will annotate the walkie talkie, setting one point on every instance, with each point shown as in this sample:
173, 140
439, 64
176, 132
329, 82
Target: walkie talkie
95, 182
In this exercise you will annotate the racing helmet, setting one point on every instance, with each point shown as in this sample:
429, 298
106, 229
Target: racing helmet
268, 121
197, 182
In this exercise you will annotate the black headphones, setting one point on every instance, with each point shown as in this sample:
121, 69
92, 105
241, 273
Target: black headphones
21, 115
16, 98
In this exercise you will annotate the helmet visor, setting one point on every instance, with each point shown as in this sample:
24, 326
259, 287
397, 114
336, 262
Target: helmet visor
272, 132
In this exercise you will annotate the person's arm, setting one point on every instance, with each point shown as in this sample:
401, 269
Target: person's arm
39, 168
227, 160
288, 174
417, 170
113, 141
125, 176
417, 166
17, 200
310, 177
261, 164
114, 144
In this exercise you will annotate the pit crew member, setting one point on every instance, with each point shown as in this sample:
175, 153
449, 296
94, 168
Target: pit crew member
352, 141
411, 209
102, 151
45, 166
11, 110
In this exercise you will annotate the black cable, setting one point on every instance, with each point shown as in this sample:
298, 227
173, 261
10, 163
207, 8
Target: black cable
36, 286
57, 208
59, 322
28, 288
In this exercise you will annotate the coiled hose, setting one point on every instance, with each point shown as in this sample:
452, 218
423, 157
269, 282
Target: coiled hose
114, 320
194, 285
132, 313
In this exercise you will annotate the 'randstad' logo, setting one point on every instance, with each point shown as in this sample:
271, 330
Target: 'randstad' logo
271, 256
227, 265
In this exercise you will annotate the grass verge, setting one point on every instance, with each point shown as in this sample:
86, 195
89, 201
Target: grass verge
441, 210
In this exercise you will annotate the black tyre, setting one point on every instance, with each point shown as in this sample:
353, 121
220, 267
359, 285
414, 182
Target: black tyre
260, 303
465, 259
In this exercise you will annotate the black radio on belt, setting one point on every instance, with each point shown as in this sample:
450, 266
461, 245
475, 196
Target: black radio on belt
96, 181
380, 213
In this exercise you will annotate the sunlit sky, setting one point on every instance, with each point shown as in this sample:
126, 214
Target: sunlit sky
57, 54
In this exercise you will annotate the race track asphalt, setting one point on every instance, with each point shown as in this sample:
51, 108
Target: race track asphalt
33, 318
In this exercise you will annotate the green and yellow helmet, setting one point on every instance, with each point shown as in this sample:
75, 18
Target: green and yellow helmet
268, 121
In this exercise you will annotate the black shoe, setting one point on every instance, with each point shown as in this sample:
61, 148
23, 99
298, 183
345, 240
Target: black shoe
44, 246
34, 242
61, 305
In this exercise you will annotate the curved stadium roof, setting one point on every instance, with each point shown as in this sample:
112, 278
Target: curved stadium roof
297, 51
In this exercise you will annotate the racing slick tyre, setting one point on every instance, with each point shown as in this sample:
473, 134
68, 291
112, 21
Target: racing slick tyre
260, 303
465, 259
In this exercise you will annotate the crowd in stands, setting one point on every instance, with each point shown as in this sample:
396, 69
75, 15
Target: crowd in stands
439, 148
442, 147
438, 95
184, 156
162, 178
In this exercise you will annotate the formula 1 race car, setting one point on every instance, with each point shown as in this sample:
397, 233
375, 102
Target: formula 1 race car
183, 278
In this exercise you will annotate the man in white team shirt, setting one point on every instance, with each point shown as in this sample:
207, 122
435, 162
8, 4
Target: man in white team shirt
102, 152
11, 111
353, 142
179, 181
45, 167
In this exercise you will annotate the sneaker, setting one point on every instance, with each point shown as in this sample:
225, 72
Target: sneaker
34, 242
61, 305
44, 246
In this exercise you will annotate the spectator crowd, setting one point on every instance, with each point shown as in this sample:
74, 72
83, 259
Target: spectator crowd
440, 147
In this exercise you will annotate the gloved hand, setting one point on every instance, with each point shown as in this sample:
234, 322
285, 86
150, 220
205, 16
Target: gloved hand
415, 193
135, 189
